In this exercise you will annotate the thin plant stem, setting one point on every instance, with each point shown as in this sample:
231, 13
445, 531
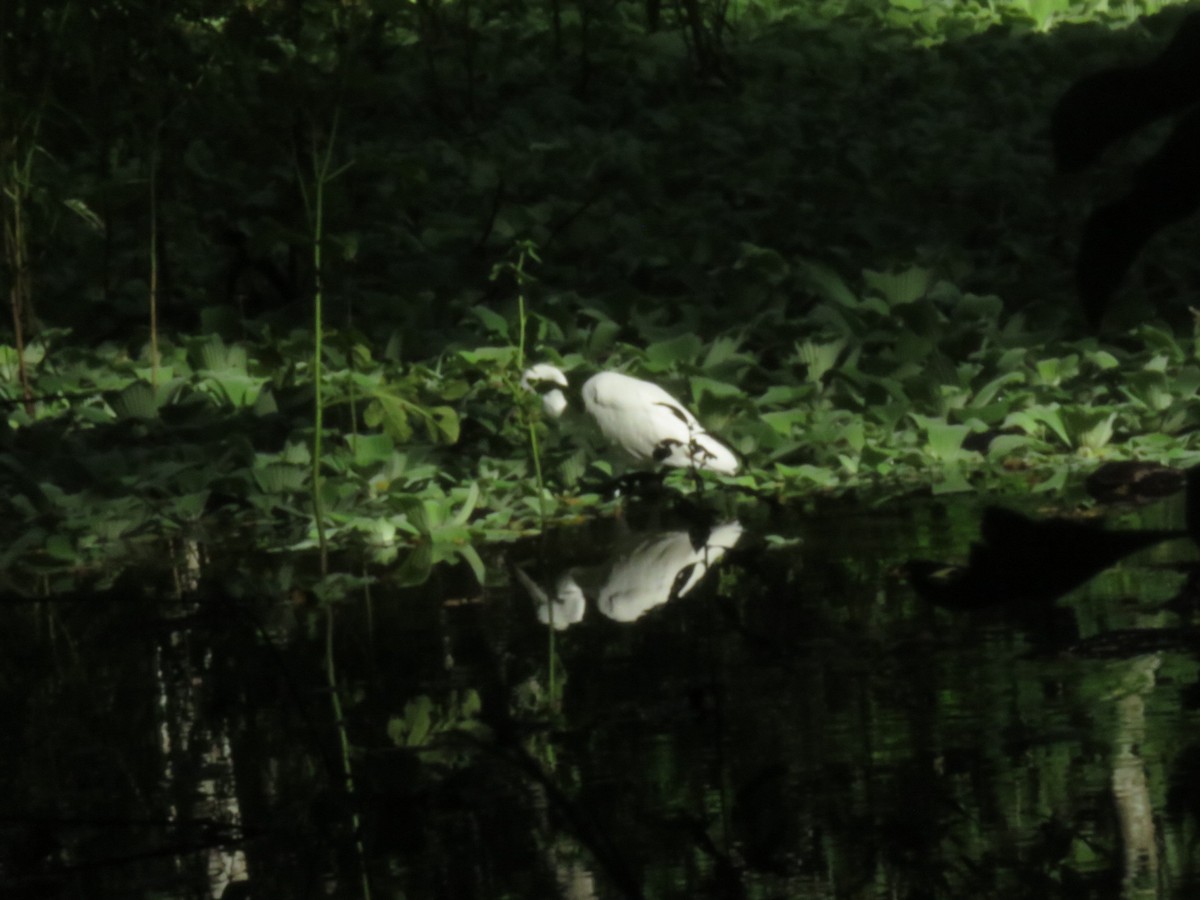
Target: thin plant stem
18, 143
322, 176
537, 470
521, 321
528, 251
339, 722
16, 251
552, 676
533, 438
154, 261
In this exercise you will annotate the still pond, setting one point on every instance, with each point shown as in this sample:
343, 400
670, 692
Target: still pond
813, 706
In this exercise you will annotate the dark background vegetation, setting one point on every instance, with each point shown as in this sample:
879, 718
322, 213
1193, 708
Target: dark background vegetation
642, 147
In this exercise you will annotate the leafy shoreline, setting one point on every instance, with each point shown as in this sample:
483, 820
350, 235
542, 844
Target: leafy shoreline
862, 405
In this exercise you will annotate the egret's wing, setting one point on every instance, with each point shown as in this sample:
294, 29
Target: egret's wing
642, 578
694, 447
651, 425
722, 538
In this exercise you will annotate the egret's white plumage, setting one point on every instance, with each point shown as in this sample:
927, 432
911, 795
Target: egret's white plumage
639, 417
561, 607
646, 571
662, 565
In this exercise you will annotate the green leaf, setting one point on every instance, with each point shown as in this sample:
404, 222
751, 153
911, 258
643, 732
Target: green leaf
391, 413
665, 355
498, 356
602, 337
899, 288
1054, 372
371, 449
280, 478
81, 209
59, 547
493, 322
445, 424
236, 387
1006, 444
722, 350
138, 400
416, 568
784, 422
984, 395
1089, 428
472, 558
1102, 359
464, 512
855, 435
943, 440
953, 481
818, 358
1151, 388
1055, 483
414, 510
808, 474
768, 263
1032, 419
417, 723
827, 283
471, 705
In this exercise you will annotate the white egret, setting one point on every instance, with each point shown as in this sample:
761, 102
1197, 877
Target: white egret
638, 416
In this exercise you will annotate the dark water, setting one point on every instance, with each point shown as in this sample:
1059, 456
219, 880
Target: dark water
715, 713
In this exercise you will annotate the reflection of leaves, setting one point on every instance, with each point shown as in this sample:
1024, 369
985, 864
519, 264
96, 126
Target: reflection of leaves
416, 567
442, 523
429, 727
413, 729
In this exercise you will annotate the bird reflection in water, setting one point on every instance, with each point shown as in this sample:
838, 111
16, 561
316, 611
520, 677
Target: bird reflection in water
646, 570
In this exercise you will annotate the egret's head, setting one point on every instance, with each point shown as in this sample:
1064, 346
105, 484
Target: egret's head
548, 381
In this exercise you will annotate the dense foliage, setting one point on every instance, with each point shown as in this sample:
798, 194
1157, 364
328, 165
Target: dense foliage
832, 228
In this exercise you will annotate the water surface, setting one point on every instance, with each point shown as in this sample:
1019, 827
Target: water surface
645, 707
